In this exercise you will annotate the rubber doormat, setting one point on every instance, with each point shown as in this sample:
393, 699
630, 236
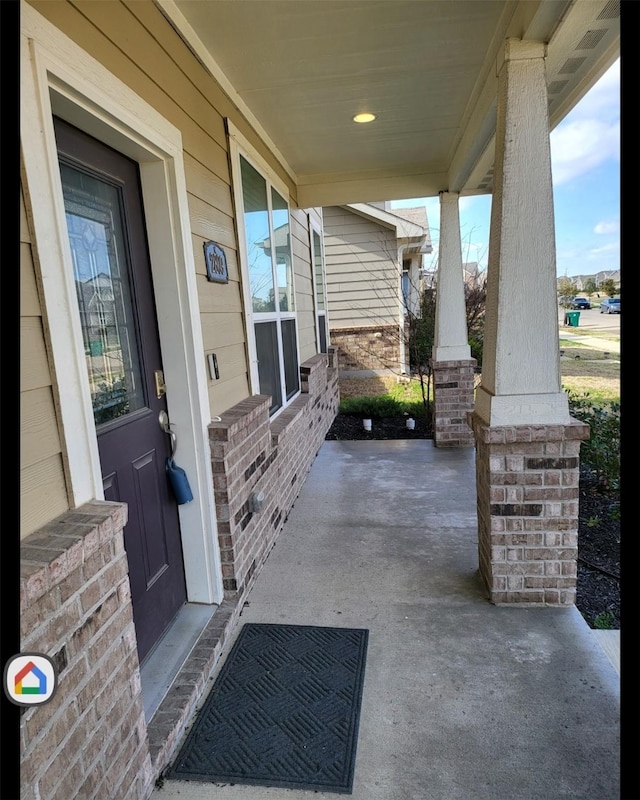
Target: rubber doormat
283, 711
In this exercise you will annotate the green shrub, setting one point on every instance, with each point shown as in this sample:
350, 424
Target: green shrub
415, 408
476, 345
381, 406
601, 452
604, 621
371, 407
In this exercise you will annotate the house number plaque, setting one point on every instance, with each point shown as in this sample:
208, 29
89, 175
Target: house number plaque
216, 262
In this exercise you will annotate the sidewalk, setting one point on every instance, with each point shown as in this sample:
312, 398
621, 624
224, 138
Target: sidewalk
590, 341
462, 700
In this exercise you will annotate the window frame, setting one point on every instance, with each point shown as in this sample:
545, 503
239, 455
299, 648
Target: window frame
314, 228
240, 147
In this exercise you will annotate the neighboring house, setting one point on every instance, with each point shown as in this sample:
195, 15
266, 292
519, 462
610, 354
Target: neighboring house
597, 277
373, 260
606, 275
472, 275
175, 161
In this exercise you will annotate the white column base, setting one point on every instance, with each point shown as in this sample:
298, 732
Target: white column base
460, 352
522, 409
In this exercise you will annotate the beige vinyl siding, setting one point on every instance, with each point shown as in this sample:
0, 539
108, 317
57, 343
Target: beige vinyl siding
363, 277
167, 76
164, 72
43, 494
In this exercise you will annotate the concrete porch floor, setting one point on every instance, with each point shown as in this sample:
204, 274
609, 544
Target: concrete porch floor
462, 699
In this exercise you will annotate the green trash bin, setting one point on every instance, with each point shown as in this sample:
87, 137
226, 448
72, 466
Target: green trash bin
573, 318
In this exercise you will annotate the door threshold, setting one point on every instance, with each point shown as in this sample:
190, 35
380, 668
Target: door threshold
160, 667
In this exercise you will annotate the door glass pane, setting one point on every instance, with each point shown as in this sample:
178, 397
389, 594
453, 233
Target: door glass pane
268, 362
101, 271
290, 352
284, 268
256, 227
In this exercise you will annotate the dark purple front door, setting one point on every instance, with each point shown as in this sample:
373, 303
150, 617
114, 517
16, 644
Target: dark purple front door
105, 222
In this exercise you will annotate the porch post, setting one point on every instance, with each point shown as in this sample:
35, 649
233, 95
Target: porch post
452, 365
527, 445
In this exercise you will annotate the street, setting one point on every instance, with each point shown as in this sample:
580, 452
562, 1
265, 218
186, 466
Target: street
593, 319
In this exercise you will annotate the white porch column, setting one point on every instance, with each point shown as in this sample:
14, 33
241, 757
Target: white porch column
521, 366
527, 444
452, 365
450, 341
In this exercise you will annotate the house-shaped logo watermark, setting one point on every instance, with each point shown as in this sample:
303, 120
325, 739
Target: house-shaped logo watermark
30, 679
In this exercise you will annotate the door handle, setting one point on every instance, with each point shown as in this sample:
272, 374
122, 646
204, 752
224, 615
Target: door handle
163, 419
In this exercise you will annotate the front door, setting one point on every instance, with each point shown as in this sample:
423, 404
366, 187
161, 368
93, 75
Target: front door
105, 223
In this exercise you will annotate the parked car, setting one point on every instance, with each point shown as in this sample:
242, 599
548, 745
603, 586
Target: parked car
580, 302
610, 305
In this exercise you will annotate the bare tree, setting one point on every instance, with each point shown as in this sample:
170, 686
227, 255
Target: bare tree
566, 289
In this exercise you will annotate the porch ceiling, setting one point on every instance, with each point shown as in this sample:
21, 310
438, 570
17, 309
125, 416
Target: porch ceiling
301, 69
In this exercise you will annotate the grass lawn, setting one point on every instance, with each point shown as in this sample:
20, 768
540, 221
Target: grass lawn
590, 370
583, 369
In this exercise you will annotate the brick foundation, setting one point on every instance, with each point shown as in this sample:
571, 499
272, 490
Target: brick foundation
452, 401
252, 455
368, 348
90, 740
528, 487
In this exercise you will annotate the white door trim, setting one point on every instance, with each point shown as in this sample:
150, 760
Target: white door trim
59, 77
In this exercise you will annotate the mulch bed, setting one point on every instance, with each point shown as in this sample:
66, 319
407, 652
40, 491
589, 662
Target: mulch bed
349, 427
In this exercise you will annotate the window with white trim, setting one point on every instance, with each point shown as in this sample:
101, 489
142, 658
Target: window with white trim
320, 291
268, 270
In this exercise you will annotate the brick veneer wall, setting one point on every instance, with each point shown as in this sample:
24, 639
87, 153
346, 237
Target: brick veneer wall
528, 489
372, 348
252, 454
89, 742
452, 401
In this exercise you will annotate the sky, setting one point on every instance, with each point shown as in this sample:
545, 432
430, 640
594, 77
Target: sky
585, 164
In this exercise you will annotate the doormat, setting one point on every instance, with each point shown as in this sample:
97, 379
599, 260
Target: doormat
283, 711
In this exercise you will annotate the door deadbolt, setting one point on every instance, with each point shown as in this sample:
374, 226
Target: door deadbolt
161, 389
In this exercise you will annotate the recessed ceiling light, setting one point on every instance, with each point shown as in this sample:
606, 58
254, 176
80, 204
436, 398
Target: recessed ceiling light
364, 117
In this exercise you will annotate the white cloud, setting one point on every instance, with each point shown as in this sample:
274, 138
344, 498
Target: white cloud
607, 227
606, 250
581, 146
590, 134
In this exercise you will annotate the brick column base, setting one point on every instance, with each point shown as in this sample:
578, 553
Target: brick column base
527, 481
452, 401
